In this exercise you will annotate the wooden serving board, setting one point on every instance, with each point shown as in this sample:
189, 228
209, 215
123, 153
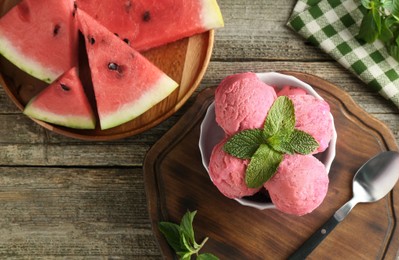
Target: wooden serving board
185, 61
176, 181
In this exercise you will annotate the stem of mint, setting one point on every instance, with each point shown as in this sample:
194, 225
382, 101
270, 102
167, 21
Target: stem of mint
181, 238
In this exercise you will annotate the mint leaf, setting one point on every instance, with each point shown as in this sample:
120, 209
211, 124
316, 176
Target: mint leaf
281, 117
386, 33
394, 8
377, 18
281, 143
302, 142
366, 4
262, 166
181, 237
394, 51
186, 227
207, 256
391, 21
171, 232
368, 31
245, 143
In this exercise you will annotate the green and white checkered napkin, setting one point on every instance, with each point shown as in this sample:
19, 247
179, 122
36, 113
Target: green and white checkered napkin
332, 25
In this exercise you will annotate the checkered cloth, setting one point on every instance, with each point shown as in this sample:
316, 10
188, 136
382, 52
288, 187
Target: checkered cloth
332, 25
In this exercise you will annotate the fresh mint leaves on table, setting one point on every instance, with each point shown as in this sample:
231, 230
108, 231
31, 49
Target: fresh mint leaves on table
266, 147
181, 238
381, 21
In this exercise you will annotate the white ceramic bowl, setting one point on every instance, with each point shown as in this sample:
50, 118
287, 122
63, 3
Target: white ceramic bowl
211, 133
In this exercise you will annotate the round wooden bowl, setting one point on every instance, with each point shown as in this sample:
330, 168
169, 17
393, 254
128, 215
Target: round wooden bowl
185, 61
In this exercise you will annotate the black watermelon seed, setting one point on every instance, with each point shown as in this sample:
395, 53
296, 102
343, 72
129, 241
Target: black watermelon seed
113, 66
126, 40
56, 29
65, 87
91, 40
75, 8
146, 16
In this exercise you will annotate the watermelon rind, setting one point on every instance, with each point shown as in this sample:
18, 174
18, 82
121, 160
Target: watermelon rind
31, 67
63, 102
163, 88
72, 121
211, 14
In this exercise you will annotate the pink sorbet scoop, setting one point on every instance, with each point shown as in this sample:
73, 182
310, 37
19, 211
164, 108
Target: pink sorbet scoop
242, 102
313, 116
228, 173
299, 185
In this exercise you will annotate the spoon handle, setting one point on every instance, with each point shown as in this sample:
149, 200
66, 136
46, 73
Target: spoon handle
312, 242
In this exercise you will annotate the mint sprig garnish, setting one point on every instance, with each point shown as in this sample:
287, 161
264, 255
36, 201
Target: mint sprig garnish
281, 118
265, 148
245, 143
263, 165
381, 21
182, 239
302, 142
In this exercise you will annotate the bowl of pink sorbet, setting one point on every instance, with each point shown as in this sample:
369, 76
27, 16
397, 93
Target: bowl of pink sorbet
241, 102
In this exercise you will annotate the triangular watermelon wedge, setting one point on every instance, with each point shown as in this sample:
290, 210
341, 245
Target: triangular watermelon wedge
40, 37
63, 103
125, 83
146, 24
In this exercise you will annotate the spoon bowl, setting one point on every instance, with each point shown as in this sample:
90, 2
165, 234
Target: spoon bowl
376, 177
373, 181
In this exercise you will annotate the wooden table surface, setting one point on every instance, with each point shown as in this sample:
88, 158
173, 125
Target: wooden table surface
66, 198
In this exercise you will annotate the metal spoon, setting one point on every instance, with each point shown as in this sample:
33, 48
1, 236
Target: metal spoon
375, 179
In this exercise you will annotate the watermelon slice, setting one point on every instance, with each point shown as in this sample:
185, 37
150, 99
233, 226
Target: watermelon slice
63, 103
125, 83
147, 24
40, 37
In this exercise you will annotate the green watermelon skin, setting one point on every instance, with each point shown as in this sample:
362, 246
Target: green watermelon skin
40, 37
147, 24
125, 83
63, 103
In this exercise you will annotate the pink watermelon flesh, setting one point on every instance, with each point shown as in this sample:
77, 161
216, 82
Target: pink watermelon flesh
63, 103
125, 83
147, 24
40, 37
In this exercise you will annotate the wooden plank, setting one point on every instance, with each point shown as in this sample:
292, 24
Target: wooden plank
258, 31
19, 129
72, 155
74, 212
6, 105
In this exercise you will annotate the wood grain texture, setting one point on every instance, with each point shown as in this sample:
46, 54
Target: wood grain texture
258, 31
74, 213
176, 181
99, 184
